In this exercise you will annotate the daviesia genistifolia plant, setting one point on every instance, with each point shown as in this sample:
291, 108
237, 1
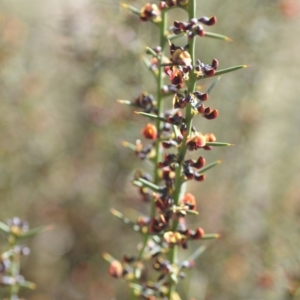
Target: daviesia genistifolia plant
11, 279
172, 139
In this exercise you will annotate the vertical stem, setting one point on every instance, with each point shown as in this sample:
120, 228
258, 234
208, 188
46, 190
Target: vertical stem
158, 147
14, 271
160, 106
179, 188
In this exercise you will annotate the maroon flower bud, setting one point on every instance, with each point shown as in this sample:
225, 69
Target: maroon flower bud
190, 35
183, 129
169, 144
199, 163
207, 110
184, 246
215, 64
199, 233
176, 119
176, 24
188, 173
199, 177
209, 72
212, 115
201, 109
183, 26
172, 48
201, 96
170, 157
129, 259
193, 21
208, 21
199, 30
186, 69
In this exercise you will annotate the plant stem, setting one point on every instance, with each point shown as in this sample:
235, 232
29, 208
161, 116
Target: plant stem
179, 187
14, 272
159, 124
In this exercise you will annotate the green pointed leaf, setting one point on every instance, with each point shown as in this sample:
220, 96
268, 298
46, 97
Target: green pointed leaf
192, 212
5, 228
174, 36
228, 70
211, 87
108, 257
28, 284
148, 65
131, 8
218, 36
34, 231
211, 236
151, 51
209, 166
126, 102
196, 254
136, 286
125, 220
174, 277
151, 116
7, 254
218, 144
129, 145
148, 184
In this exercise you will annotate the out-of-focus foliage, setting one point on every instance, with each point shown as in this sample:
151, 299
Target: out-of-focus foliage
63, 65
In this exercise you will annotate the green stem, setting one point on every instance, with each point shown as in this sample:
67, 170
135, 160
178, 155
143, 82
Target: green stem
159, 125
179, 188
14, 271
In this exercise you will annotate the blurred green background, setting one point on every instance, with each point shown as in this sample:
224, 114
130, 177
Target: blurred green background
63, 64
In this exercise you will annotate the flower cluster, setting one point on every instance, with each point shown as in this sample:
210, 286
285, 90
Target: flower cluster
169, 141
193, 28
15, 229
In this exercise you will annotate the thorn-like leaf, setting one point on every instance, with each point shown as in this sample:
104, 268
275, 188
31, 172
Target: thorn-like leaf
209, 166
28, 284
128, 145
108, 257
174, 36
5, 228
124, 219
174, 278
211, 236
151, 116
211, 87
127, 102
136, 286
148, 184
131, 8
218, 144
218, 36
196, 253
192, 212
149, 50
34, 231
223, 71
149, 66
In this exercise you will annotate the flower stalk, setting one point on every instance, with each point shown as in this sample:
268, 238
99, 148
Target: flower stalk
10, 261
164, 231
